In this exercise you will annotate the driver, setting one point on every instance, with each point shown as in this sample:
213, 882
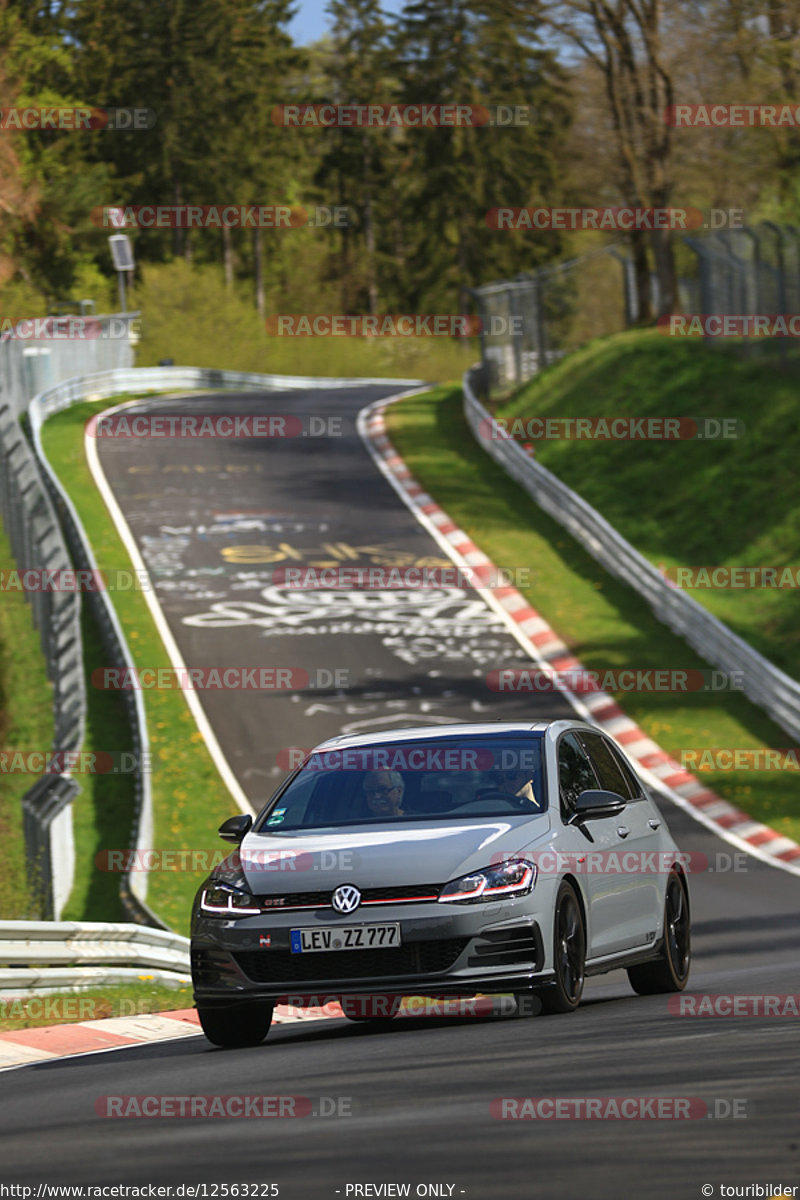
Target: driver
384, 793
516, 782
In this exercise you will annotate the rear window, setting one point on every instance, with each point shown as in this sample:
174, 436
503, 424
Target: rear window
405, 782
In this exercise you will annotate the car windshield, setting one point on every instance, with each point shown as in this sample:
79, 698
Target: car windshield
402, 782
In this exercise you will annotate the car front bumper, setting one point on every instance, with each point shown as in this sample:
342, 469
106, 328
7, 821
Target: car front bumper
444, 951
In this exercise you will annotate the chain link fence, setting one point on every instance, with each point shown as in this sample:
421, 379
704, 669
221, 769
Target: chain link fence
750, 270
532, 320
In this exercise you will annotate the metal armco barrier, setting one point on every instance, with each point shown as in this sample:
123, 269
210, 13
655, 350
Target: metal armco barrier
27, 363
763, 683
37, 542
51, 955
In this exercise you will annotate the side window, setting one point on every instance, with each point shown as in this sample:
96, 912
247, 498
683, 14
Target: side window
634, 783
609, 771
575, 772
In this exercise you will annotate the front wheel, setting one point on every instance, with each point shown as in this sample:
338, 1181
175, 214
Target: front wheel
670, 971
237, 1024
569, 954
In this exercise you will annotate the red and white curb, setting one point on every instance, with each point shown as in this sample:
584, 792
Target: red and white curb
26, 1047
20, 1047
546, 649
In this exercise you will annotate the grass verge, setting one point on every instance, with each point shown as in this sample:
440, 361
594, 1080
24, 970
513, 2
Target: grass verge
65, 1008
189, 798
603, 622
732, 502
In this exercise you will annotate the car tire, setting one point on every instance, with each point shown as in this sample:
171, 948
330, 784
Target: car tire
670, 972
569, 954
359, 1008
236, 1024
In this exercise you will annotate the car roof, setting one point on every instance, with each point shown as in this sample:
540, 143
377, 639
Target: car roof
419, 733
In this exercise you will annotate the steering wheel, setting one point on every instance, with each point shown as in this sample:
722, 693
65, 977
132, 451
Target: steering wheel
519, 802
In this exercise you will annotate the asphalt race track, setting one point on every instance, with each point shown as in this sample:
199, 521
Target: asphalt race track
214, 519
413, 1103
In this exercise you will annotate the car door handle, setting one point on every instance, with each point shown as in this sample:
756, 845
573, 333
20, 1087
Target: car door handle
623, 831
653, 824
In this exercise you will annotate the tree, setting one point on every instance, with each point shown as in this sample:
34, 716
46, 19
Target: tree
46, 190
480, 53
623, 39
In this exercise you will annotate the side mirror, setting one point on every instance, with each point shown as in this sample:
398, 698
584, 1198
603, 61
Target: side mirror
234, 829
596, 803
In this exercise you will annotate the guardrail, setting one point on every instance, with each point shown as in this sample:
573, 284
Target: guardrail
30, 360
763, 683
67, 955
37, 542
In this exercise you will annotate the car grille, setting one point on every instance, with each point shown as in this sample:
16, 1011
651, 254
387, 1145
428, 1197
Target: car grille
415, 958
506, 947
415, 893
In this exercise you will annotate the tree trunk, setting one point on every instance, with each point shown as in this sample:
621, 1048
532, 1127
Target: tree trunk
664, 256
258, 272
369, 228
641, 275
227, 256
177, 234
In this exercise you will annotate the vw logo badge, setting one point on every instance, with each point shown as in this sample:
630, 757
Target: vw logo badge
346, 898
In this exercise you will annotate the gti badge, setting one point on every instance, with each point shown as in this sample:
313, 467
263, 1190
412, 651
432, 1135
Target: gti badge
346, 898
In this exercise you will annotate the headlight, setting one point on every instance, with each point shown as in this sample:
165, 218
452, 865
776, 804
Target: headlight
225, 900
515, 877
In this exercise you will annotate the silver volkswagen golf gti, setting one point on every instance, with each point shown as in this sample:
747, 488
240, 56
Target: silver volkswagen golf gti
455, 861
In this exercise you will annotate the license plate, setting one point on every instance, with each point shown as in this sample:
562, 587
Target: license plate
344, 937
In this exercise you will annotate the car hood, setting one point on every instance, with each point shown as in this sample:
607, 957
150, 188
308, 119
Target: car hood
393, 856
